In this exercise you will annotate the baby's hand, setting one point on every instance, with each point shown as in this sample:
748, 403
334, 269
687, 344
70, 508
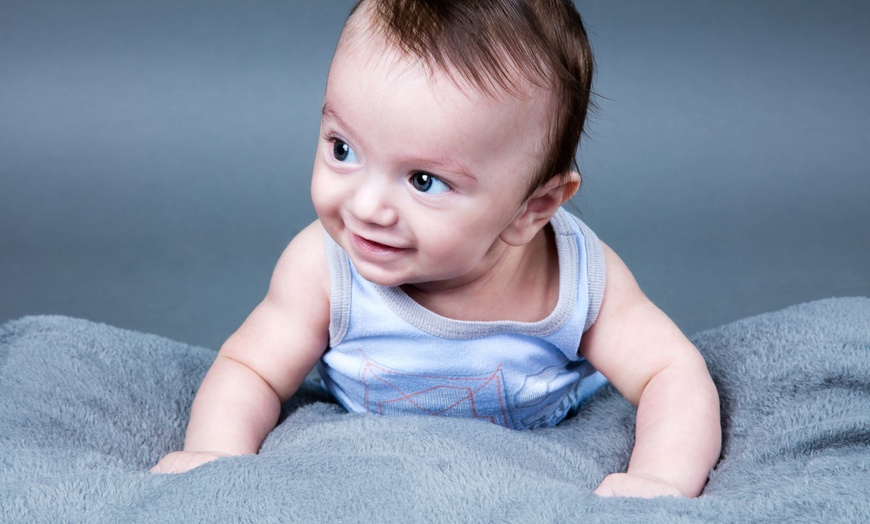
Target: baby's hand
181, 461
627, 485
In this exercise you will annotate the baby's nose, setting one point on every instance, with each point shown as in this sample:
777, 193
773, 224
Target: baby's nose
373, 203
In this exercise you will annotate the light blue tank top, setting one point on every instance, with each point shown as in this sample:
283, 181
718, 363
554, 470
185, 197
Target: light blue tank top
389, 355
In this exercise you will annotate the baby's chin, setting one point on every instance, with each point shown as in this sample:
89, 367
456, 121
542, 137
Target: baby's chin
380, 277
387, 279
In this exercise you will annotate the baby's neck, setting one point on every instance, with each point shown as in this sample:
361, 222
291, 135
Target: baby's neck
522, 284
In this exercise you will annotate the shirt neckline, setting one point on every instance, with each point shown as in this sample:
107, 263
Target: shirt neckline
434, 324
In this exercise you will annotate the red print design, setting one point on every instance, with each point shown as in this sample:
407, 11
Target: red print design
388, 391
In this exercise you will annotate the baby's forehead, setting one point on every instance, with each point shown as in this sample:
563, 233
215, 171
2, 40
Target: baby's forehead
373, 61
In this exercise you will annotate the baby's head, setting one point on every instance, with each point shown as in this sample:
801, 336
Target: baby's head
496, 47
449, 130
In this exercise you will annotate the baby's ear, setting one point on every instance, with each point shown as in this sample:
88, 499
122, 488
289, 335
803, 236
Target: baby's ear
539, 208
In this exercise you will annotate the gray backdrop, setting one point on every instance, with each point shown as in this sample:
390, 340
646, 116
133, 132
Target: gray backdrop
155, 154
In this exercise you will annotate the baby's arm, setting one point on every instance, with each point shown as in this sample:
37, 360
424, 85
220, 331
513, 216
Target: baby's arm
263, 363
646, 357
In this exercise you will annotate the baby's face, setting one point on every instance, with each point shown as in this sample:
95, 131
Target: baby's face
415, 177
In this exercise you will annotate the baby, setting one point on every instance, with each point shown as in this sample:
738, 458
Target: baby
442, 276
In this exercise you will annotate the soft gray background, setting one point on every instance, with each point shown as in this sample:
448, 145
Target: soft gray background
155, 154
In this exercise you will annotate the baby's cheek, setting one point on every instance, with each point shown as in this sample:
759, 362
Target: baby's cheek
323, 198
456, 253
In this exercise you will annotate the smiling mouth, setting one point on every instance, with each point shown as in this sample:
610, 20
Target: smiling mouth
376, 247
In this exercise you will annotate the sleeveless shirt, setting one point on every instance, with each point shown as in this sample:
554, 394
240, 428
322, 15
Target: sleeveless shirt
389, 355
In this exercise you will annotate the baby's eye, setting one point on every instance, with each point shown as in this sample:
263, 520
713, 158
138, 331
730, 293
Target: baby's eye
342, 152
426, 183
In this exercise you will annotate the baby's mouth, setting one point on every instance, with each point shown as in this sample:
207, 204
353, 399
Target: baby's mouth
371, 245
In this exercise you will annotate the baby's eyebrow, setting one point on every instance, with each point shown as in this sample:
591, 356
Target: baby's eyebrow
328, 112
440, 164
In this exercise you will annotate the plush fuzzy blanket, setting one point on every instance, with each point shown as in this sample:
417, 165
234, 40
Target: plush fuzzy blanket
86, 409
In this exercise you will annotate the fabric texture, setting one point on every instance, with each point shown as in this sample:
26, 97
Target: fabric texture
390, 355
86, 409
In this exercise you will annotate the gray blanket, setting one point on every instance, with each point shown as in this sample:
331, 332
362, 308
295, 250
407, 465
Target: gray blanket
86, 409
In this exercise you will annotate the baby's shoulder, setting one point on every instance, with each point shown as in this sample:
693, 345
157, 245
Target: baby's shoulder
303, 266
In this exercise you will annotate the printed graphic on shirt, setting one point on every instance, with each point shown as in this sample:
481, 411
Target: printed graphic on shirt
391, 392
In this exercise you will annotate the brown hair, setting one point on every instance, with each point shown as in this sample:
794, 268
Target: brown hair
487, 41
